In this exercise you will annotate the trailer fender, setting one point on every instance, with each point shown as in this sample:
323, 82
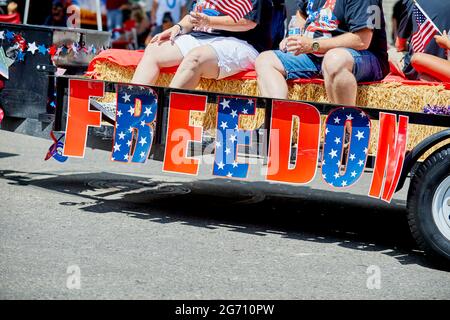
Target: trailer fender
418, 151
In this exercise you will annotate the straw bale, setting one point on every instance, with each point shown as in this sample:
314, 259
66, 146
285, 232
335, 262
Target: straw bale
389, 96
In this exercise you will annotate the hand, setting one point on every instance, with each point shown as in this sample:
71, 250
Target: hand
169, 34
283, 45
443, 41
398, 62
200, 20
299, 45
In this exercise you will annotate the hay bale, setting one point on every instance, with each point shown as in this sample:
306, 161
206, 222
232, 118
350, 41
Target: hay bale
389, 96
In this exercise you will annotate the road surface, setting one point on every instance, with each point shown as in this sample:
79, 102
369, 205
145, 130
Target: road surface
92, 229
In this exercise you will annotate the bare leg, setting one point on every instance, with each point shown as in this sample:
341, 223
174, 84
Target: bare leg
156, 57
340, 83
199, 63
433, 66
271, 76
329, 88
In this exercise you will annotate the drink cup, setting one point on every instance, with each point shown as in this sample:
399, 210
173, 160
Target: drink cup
294, 31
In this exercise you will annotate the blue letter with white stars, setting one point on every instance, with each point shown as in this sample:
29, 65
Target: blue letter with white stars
136, 112
335, 140
229, 136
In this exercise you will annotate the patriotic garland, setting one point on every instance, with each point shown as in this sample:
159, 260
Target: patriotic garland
442, 110
20, 48
56, 149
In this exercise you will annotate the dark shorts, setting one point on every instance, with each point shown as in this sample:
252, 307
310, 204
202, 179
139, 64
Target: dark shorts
366, 68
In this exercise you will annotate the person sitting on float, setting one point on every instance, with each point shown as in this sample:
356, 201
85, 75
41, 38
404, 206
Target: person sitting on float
205, 44
431, 67
436, 9
344, 42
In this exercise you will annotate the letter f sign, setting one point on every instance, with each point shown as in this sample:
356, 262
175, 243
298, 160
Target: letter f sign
79, 116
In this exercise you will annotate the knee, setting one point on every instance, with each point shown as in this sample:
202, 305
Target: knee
417, 59
337, 61
192, 61
264, 61
151, 53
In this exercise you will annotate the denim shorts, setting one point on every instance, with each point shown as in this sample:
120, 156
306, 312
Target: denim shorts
366, 68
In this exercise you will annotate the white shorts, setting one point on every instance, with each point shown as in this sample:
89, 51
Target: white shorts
234, 55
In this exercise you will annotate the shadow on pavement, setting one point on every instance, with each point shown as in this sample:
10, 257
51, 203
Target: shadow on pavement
7, 155
255, 208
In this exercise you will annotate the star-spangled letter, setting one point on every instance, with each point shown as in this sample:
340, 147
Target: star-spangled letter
139, 128
229, 136
356, 156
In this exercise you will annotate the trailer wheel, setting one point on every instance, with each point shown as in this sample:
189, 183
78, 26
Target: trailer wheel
429, 205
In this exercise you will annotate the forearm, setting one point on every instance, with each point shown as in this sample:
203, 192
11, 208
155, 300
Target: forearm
186, 24
226, 23
447, 44
301, 20
347, 40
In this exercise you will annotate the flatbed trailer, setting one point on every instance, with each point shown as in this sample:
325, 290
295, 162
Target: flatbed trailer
163, 116
151, 122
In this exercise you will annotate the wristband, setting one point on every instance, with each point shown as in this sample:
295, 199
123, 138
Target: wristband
181, 28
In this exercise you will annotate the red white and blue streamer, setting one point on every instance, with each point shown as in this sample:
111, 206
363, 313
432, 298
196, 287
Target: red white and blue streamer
56, 149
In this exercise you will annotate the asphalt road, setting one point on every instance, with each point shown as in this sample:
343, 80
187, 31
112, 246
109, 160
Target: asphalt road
91, 229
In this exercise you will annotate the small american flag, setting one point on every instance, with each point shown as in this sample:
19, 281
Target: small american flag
427, 30
236, 9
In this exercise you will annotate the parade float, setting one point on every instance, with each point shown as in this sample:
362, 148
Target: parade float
393, 93
400, 129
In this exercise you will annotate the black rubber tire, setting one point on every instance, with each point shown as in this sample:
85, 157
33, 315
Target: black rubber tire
424, 183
